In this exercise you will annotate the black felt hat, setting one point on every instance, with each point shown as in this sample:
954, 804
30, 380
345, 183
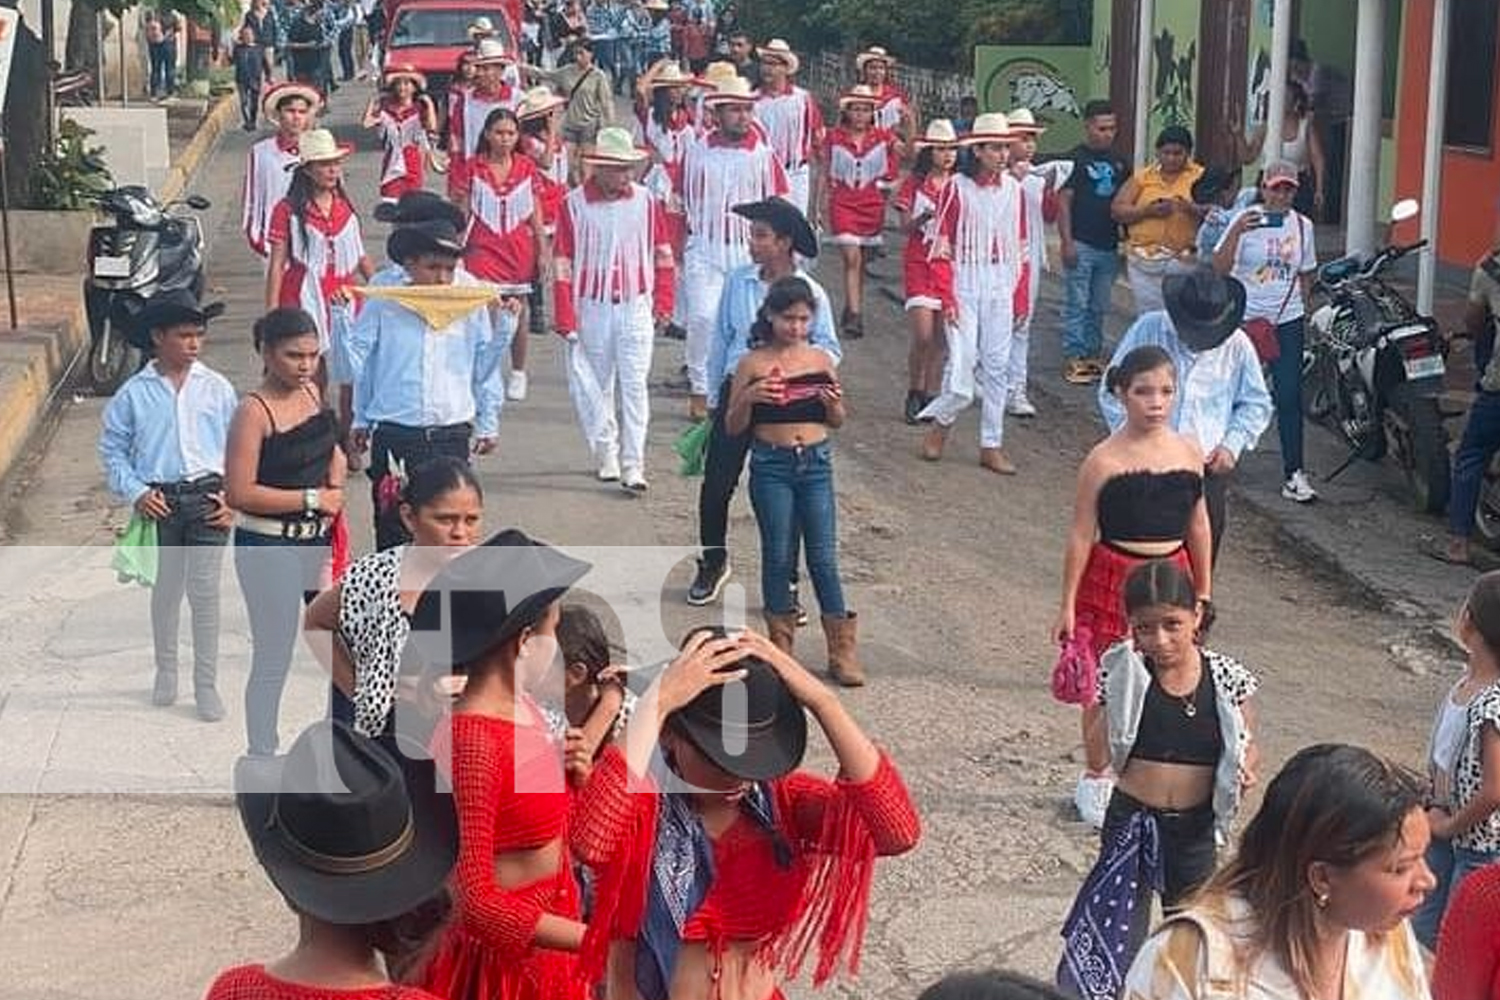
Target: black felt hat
349, 832
754, 729
1205, 306
489, 594
419, 206
437, 236
784, 217
174, 308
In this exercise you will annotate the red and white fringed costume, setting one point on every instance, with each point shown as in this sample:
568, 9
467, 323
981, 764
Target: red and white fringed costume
980, 264
860, 169
268, 175
717, 174
815, 898
466, 117
669, 145
550, 155
889, 107
329, 247
920, 196
510, 795
614, 276
1034, 187
404, 135
503, 221
793, 123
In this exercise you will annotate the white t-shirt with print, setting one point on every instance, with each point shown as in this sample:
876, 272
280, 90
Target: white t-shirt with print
1268, 260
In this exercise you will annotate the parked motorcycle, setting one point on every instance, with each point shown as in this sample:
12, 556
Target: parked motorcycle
146, 249
1373, 368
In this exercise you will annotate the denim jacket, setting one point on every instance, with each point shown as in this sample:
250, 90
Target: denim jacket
1124, 696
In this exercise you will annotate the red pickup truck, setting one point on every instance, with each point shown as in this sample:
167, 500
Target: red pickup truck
430, 35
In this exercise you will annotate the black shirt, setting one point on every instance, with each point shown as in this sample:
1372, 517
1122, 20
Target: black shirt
1097, 175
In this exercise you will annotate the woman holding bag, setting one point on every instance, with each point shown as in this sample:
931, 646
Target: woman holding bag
1271, 249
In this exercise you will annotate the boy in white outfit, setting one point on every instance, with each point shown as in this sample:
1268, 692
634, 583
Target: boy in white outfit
1037, 181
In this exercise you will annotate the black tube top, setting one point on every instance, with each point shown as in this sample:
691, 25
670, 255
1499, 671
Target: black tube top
1180, 730
1148, 506
804, 402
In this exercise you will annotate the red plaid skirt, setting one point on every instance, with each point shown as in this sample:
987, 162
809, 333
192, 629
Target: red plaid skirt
1100, 606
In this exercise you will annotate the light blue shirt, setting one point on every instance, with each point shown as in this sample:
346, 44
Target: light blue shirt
156, 433
405, 373
1221, 395
744, 291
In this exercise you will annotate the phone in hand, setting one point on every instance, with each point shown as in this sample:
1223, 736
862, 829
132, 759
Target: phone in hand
1272, 219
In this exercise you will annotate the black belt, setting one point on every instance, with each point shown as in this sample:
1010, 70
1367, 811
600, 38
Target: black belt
211, 483
443, 432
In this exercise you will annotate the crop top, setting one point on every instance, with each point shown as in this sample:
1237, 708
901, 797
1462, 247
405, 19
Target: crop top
1147, 506
1176, 730
804, 402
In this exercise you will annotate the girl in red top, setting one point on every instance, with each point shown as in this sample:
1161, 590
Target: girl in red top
405, 117
917, 201
468, 114
315, 241
506, 241
724, 865
1468, 951
893, 109
860, 164
491, 614
540, 115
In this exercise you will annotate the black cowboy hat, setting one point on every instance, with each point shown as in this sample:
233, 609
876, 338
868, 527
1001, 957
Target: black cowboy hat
786, 219
174, 308
347, 831
436, 236
419, 206
1205, 306
754, 728
492, 592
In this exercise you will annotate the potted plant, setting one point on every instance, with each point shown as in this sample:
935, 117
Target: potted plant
52, 236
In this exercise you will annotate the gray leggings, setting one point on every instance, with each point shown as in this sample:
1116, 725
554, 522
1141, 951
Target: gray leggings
190, 558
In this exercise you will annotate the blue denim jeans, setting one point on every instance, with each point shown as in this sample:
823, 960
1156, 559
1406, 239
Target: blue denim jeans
1450, 865
1286, 390
1480, 442
1086, 286
277, 576
792, 488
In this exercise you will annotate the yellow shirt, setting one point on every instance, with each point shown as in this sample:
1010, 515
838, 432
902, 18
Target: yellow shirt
1177, 233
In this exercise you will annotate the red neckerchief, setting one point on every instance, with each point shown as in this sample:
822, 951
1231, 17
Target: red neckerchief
872, 138
287, 145
995, 181
593, 193
334, 222
519, 162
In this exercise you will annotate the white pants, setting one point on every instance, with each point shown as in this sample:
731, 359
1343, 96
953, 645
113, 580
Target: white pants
613, 349
800, 179
1020, 350
1145, 276
703, 281
979, 350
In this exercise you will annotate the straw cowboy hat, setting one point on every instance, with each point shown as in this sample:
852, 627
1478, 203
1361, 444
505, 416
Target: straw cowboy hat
1023, 122
873, 54
658, 6
671, 75
613, 147
318, 145
715, 73
940, 134
405, 72
481, 27
274, 96
490, 51
538, 101
989, 127
859, 95
732, 91
778, 50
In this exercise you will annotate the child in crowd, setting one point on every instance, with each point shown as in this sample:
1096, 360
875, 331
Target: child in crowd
249, 72
595, 695
1464, 814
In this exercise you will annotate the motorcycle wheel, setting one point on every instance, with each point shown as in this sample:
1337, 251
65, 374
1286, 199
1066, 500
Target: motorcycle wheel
112, 359
1317, 399
1421, 447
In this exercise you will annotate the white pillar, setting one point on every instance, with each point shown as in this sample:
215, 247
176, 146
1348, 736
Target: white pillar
1364, 133
1281, 44
1432, 156
1145, 29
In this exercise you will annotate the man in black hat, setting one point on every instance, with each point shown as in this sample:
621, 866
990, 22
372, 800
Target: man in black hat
162, 448
412, 208
779, 234
405, 421
1222, 401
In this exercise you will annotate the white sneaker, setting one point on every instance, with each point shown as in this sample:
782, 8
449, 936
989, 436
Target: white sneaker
1019, 405
609, 468
1297, 489
634, 480
515, 386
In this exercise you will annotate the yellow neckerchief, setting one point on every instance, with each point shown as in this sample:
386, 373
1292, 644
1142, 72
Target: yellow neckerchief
440, 306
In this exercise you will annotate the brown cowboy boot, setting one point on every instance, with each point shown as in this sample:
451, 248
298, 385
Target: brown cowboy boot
933, 441
842, 633
782, 630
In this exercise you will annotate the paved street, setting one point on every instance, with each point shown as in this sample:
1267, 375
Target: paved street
124, 875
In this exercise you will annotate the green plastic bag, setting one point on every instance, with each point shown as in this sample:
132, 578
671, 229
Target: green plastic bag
691, 446
135, 552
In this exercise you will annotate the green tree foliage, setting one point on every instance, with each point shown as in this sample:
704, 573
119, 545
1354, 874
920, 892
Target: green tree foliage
72, 174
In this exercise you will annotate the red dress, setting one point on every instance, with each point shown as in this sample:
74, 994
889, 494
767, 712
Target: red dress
919, 196
510, 794
329, 246
501, 246
889, 105
834, 830
1468, 952
404, 134
253, 982
859, 170
467, 114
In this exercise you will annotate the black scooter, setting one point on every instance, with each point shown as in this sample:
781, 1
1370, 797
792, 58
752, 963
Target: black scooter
145, 250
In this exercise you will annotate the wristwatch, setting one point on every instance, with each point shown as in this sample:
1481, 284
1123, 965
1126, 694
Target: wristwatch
310, 499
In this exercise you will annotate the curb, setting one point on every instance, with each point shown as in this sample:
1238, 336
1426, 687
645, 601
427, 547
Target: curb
186, 165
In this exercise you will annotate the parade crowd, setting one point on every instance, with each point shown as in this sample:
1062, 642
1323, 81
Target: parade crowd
660, 838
